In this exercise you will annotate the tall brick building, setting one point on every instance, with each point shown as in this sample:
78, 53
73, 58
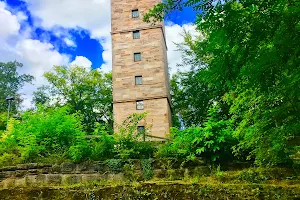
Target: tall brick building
140, 70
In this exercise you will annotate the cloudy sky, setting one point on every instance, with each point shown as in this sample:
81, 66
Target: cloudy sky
44, 33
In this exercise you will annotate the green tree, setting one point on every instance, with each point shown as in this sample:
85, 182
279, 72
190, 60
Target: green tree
40, 96
10, 84
161, 10
88, 92
247, 61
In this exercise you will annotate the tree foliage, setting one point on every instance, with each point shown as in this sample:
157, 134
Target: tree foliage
247, 59
86, 91
10, 84
212, 141
161, 10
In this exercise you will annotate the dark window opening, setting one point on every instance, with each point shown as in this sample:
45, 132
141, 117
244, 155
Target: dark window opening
141, 131
135, 13
136, 34
140, 105
137, 57
138, 80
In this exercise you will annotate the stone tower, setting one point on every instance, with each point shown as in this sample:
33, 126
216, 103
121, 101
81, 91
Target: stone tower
140, 70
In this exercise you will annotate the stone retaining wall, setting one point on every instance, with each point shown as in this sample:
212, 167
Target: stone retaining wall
69, 173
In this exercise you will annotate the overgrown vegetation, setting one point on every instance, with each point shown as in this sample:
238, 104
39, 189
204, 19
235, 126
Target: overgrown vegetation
51, 135
239, 101
246, 60
212, 141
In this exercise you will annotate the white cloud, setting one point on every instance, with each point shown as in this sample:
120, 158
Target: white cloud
69, 42
92, 15
38, 55
9, 24
82, 62
107, 54
21, 16
2, 5
174, 35
38, 58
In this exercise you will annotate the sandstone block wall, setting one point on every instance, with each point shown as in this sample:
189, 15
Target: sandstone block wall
157, 119
121, 12
34, 174
153, 66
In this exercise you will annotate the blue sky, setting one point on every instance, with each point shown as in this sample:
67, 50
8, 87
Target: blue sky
43, 33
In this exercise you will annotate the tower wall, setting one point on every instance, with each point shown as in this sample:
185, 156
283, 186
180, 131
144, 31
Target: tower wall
154, 90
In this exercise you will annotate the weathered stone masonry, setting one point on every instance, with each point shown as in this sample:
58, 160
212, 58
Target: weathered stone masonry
37, 174
153, 68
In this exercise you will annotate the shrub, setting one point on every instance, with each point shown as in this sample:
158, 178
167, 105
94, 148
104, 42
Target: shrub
129, 172
8, 159
80, 151
3, 121
115, 165
129, 142
45, 132
212, 141
148, 171
102, 144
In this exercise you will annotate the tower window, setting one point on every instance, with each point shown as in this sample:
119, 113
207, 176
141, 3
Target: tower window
141, 130
135, 13
140, 105
136, 34
138, 80
137, 57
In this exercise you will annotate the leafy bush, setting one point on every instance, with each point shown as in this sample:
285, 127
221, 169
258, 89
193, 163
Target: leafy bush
3, 121
212, 141
148, 171
115, 165
129, 172
53, 134
9, 159
246, 51
45, 132
102, 144
129, 143
85, 91
258, 120
80, 151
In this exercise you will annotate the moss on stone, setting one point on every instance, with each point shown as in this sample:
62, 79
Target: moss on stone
160, 190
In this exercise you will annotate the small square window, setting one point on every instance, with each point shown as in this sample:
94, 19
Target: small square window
141, 129
135, 13
136, 34
138, 80
140, 105
137, 57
